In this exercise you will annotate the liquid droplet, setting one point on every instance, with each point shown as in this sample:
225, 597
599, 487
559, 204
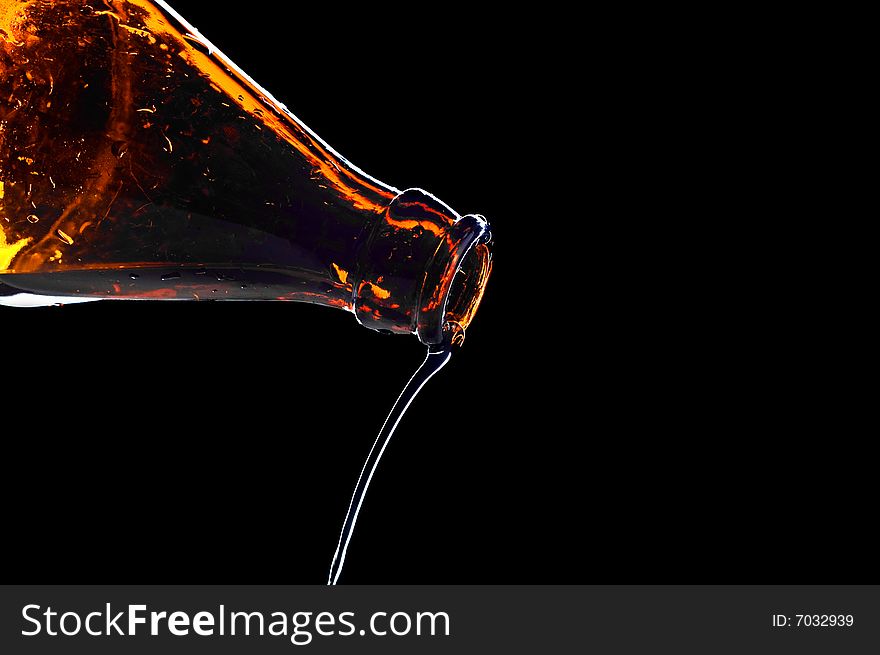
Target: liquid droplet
171, 276
454, 332
66, 238
119, 148
197, 43
134, 276
33, 218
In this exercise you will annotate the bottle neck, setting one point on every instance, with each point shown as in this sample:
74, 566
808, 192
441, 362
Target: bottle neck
422, 266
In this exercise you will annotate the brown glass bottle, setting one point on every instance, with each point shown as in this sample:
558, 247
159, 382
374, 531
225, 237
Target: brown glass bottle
137, 161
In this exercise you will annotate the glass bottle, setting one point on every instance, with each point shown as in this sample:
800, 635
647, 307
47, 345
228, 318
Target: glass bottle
138, 162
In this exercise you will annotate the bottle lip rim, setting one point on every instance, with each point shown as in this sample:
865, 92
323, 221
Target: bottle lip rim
463, 237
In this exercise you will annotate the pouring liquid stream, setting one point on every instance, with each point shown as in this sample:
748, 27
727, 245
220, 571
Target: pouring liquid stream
437, 357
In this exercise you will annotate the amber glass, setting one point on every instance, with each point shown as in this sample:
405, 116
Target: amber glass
137, 161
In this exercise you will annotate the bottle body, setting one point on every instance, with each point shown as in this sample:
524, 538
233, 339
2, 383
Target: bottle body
136, 161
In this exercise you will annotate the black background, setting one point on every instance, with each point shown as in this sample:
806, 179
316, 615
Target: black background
626, 407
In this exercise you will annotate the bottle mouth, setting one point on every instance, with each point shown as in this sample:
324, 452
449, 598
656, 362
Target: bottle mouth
456, 279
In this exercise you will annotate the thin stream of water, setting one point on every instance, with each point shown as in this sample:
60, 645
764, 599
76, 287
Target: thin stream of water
437, 357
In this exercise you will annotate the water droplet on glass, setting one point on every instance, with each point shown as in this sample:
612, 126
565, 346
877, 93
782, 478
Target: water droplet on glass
454, 332
201, 271
134, 276
197, 43
33, 218
119, 148
171, 276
